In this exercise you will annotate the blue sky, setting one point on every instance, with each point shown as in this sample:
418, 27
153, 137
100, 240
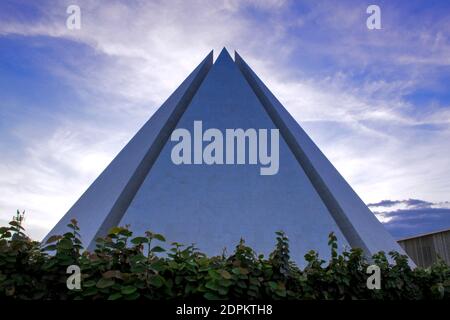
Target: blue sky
377, 102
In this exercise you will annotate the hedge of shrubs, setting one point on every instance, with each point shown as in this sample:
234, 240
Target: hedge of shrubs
126, 267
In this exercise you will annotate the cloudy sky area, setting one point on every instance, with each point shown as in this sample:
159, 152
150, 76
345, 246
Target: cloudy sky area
377, 102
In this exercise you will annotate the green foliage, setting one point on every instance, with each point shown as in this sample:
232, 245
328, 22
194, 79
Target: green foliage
144, 267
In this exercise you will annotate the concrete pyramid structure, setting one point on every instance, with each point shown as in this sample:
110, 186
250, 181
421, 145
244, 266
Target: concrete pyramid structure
214, 205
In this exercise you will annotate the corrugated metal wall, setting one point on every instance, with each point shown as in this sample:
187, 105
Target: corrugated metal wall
425, 249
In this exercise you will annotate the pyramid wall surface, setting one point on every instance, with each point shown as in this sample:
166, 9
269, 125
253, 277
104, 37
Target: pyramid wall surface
214, 206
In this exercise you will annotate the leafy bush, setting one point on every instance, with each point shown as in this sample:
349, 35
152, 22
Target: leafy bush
122, 267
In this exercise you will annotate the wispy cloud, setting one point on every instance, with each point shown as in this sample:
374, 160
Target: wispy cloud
347, 86
405, 218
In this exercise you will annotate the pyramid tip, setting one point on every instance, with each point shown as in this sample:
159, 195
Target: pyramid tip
224, 54
224, 51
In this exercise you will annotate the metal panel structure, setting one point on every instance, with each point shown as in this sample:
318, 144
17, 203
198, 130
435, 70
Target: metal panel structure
214, 205
425, 249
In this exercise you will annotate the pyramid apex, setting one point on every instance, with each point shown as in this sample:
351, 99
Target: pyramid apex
224, 55
237, 57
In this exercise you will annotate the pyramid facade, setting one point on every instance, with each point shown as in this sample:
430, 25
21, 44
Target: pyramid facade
216, 196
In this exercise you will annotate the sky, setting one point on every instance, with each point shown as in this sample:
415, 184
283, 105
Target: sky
376, 102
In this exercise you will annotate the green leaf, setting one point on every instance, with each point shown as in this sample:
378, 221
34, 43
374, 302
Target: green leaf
128, 290
105, 283
6, 234
125, 232
115, 230
156, 281
273, 285
225, 274
139, 240
159, 265
236, 271
90, 291
65, 244
112, 274
53, 239
133, 296
212, 285
223, 291
15, 224
281, 293
159, 237
89, 283
243, 271
51, 247
115, 296
157, 249
211, 296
